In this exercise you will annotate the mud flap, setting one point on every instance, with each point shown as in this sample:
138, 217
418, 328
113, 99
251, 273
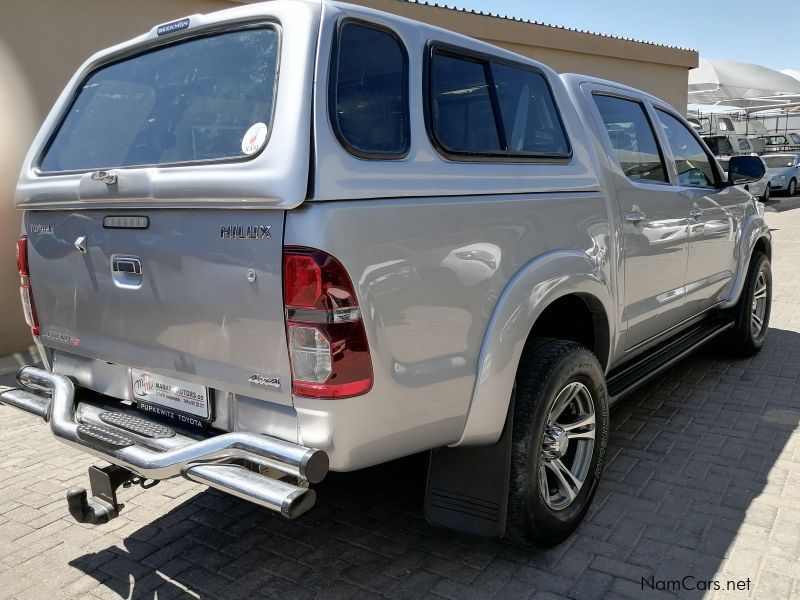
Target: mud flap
467, 488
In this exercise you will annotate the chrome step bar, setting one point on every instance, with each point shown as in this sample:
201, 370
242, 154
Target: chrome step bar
206, 461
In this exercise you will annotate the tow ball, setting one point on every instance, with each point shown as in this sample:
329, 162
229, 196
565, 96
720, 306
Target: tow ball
102, 506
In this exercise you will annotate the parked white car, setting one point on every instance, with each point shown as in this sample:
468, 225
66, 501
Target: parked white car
783, 171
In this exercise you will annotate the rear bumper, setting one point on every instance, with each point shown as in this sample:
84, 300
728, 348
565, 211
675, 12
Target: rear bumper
215, 461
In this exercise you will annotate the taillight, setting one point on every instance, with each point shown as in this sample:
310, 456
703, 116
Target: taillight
327, 342
26, 293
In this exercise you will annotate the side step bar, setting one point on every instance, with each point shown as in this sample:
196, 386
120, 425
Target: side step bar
630, 376
152, 451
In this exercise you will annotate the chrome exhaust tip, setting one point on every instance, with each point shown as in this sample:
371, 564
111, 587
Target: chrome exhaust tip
27, 402
289, 500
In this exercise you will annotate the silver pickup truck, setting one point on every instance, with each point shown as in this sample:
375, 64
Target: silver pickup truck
303, 236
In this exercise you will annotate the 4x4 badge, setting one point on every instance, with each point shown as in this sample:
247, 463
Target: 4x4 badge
273, 382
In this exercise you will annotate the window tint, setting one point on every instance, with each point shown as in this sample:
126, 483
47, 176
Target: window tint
530, 120
463, 117
190, 101
371, 92
632, 138
485, 108
692, 163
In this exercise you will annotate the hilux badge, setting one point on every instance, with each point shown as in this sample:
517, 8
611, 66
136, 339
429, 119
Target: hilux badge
245, 232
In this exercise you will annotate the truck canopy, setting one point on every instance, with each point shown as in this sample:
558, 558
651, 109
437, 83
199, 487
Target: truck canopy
211, 110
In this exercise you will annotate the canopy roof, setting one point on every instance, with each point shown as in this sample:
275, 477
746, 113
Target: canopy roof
742, 85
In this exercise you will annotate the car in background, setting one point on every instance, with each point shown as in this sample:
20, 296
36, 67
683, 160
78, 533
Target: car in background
788, 142
761, 189
783, 171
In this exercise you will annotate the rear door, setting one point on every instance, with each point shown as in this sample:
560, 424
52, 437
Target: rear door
654, 216
716, 213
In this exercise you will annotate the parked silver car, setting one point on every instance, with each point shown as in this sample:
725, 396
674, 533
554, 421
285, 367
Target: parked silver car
304, 235
783, 171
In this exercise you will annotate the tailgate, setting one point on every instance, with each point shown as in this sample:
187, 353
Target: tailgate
190, 294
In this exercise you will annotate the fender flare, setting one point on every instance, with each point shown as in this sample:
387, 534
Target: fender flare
754, 229
532, 289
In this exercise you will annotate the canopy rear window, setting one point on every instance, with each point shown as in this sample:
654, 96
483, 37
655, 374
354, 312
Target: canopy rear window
203, 99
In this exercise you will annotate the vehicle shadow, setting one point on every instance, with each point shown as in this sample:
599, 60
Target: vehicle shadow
688, 457
782, 203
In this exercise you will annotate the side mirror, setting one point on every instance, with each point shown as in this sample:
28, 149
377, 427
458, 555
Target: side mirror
745, 169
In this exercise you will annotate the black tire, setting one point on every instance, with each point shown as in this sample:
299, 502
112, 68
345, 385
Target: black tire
767, 190
546, 368
792, 188
745, 339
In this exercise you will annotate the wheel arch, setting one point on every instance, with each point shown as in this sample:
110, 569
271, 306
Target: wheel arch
536, 303
755, 237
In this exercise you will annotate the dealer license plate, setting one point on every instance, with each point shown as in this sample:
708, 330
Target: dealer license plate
169, 394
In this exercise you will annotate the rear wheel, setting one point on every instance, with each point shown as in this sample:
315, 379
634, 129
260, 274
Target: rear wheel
753, 310
560, 434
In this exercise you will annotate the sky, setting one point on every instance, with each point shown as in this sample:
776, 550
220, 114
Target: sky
739, 30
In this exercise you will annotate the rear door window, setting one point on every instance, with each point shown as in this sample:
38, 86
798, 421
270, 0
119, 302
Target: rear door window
369, 107
632, 138
203, 99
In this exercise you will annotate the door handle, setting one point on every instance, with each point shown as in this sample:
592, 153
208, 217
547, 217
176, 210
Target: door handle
635, 216
127, 264
695, 213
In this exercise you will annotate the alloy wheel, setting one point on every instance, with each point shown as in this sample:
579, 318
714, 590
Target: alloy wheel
567, 446
759, 309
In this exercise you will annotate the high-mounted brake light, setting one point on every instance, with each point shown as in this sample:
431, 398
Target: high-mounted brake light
25, 290
327, 342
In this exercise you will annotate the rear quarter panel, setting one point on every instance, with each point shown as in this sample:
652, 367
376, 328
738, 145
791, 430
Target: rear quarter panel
429, 273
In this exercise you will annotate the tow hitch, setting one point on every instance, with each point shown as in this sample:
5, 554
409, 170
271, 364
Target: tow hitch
103, 505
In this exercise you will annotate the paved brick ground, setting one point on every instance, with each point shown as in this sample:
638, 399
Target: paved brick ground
703, 481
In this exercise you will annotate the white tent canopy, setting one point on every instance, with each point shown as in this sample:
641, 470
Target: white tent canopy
742, 85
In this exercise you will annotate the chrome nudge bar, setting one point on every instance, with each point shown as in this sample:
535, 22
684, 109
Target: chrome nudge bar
213, 461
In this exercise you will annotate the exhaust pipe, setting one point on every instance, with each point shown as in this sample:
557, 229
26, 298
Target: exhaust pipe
289, 500
28, 402
211, 461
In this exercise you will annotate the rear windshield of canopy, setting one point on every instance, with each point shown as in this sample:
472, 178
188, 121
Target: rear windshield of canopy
188, 102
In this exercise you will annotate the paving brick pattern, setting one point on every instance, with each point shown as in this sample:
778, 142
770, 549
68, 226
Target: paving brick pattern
702, 483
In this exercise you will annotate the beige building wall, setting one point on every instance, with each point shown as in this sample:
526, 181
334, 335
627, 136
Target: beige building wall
659, 70
47, 40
